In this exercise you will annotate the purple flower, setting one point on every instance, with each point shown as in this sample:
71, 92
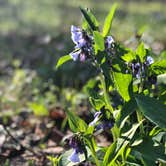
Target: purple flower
77, 36
82, 57
74, 157
75, 55
136, 69
105, 125
101, 123
78, 147
109, 41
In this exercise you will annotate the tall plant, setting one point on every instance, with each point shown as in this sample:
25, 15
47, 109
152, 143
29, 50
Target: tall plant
129, 101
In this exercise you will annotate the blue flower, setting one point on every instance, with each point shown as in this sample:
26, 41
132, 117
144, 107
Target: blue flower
109, 41
77, 36
101, 123
149, 60
74, 157
75, 55
96, 118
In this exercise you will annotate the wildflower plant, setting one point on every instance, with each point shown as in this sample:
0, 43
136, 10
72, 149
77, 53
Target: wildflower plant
136, 119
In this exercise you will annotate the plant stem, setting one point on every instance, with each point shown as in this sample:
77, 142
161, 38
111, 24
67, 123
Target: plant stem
140, 118
115, 130
106, 97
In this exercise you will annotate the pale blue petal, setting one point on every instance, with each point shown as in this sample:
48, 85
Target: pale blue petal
74, 157
150, 60
75, 55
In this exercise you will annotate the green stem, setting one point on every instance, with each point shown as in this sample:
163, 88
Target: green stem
138, 112
140, 118
115, 130
106, 97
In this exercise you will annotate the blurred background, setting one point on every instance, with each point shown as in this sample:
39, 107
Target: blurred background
35, 33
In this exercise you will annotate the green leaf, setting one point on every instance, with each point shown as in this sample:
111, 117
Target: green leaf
152, 109
158, 67
121, 145
99, 41
90, 18
128, 108
76, 124
39, 109
63, 60
129, 56
108, 20
151, 153
122, 83
110, 153
141, 52
97, 103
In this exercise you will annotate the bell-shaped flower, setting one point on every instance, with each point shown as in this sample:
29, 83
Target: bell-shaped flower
77, 36
75, 55
82, 57
74, 156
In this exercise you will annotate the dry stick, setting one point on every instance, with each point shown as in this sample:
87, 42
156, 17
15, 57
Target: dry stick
23, 146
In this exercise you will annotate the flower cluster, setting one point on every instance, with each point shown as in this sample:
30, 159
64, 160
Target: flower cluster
138, 69
83, 41
78, 147
101, 122
84, 44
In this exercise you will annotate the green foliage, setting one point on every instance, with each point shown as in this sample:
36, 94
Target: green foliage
63, 60
108, 20
39, 109
141, 52
158, 67
99, 42
123, 83
90, 18
153, 109
125, 97
76, 124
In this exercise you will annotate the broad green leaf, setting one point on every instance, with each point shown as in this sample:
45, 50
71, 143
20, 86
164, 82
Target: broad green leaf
39, 109
151, 153
141, 52
129, 56
63, 60
97, 103
158, 67
123, 83
108, 20
90, 18
76, 124
122, 144
152, 109
99, 42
